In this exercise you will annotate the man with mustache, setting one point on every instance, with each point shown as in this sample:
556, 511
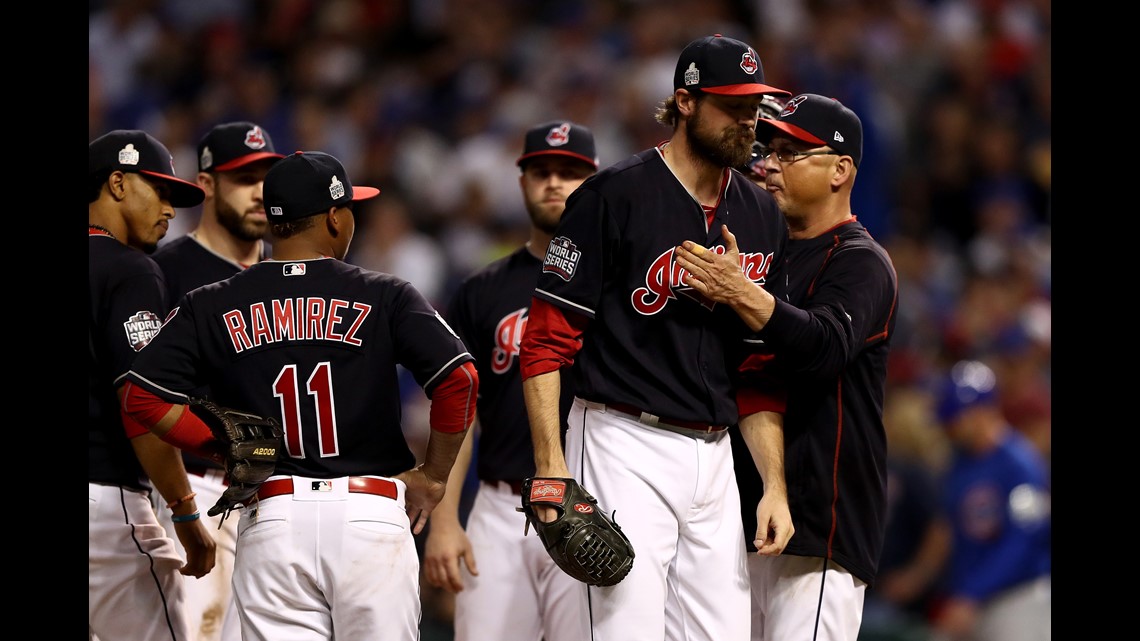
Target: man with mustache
655, 364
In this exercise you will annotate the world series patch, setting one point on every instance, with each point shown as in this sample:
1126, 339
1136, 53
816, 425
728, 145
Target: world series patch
141, 327
561, 258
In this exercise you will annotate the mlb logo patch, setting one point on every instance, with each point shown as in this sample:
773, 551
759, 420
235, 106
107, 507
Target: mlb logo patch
293, 269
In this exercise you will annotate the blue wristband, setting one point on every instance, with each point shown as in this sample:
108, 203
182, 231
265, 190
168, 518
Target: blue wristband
186, 517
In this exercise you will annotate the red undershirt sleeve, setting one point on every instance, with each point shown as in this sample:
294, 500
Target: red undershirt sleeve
552, 338
142, 410
453, 400
759, 390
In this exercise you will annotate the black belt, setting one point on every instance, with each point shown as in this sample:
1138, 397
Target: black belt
359, 484
688, 428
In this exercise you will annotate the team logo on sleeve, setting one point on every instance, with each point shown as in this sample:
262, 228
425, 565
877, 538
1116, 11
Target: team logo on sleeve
561, 258
141, 328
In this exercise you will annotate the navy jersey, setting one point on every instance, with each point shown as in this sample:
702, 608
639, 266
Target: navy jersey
999, 506
832, 354
316, 344
128, 303
654, 342
187, 264
489, 311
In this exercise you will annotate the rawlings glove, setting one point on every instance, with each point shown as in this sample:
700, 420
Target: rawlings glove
250, 446
583, 541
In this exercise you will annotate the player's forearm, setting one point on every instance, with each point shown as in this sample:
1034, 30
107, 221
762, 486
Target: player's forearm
162, 463
753, 304
442, 450
448, 508
763, 432
542, 393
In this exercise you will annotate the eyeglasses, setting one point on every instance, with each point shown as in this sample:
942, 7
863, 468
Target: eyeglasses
789, 156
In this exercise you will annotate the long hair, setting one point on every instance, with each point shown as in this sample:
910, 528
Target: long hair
667, 113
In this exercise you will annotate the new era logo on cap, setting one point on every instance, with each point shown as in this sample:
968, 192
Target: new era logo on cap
721, 65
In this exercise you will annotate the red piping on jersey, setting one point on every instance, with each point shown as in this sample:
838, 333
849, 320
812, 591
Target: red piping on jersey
835, 464
894, 299
823, 265
894, 305
92, 230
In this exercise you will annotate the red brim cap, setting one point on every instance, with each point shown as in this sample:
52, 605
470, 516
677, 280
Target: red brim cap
568, 154
791, 130
560, 138
745, 90
245, 160
360, 192
182, 193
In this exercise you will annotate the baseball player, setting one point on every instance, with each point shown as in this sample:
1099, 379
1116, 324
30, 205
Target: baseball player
326, 550
655, 363
830, 336
998, 585
233, 159
506, 585
135, 590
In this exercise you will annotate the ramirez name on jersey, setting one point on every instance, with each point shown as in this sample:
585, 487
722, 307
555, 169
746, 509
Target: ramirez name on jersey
295, 319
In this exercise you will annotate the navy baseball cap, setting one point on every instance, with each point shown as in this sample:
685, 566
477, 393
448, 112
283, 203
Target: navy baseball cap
307, 183
135, 151
969, 383
231, 145
721, 65
560, 139
818, 120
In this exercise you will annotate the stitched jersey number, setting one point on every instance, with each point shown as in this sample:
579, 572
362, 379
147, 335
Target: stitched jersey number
319, 386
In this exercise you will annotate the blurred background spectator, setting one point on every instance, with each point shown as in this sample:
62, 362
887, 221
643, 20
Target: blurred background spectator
427, 99
997, 499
